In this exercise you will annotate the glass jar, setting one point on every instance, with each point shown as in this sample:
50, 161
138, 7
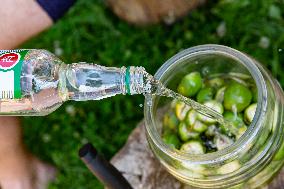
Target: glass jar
255, 157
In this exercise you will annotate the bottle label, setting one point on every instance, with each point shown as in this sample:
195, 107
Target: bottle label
10, 73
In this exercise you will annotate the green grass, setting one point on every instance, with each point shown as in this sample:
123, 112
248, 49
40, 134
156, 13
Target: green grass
91, 33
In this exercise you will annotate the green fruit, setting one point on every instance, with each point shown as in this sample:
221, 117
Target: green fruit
181, 110
196, 168
171, 140
191, 117
222, 141
185, 133
199, 126
170, 121
193, 147
241, 76
216, 82
220, 94
205, 94
236, 120
237, 96
173, 104
241, 131
249, 113
229, 167
213, 104
190, 84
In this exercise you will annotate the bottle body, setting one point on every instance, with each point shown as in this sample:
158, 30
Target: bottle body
36, 88
36, 82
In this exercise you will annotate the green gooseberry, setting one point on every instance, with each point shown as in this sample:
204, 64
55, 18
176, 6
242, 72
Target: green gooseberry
222, 141
171, 140
229, 167
199, 126
191, 117
190, 84
193, 147
213, 104
216, 83
235, 119
249, 113
181, 110
185, 133
220, 94
237, 96
170, 121
241, 131
205, 94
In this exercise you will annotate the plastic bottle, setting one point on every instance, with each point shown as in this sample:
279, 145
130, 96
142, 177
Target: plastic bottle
36, 82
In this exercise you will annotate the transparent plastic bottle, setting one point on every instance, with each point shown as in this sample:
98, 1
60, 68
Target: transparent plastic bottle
36, 82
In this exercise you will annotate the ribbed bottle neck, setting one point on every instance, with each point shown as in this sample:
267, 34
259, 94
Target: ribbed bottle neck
94, 82
136, 80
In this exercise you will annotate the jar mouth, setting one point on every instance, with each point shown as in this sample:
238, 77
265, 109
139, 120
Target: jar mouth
246, 139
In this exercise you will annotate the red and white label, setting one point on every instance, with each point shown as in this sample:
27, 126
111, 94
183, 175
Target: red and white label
9, 60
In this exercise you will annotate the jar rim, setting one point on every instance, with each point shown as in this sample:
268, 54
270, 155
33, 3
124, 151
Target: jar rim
231, 151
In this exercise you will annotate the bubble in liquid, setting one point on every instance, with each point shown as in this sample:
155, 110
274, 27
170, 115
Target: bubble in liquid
140, 105
280, 50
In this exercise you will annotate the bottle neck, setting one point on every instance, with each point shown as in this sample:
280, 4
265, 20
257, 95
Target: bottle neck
136, 80
94, 82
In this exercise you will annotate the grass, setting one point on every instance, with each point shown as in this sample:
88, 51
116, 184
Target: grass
91, 33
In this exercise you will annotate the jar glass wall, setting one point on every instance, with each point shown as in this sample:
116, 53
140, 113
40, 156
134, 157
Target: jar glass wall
255, 157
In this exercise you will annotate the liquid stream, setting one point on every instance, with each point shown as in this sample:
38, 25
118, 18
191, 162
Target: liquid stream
160, 90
